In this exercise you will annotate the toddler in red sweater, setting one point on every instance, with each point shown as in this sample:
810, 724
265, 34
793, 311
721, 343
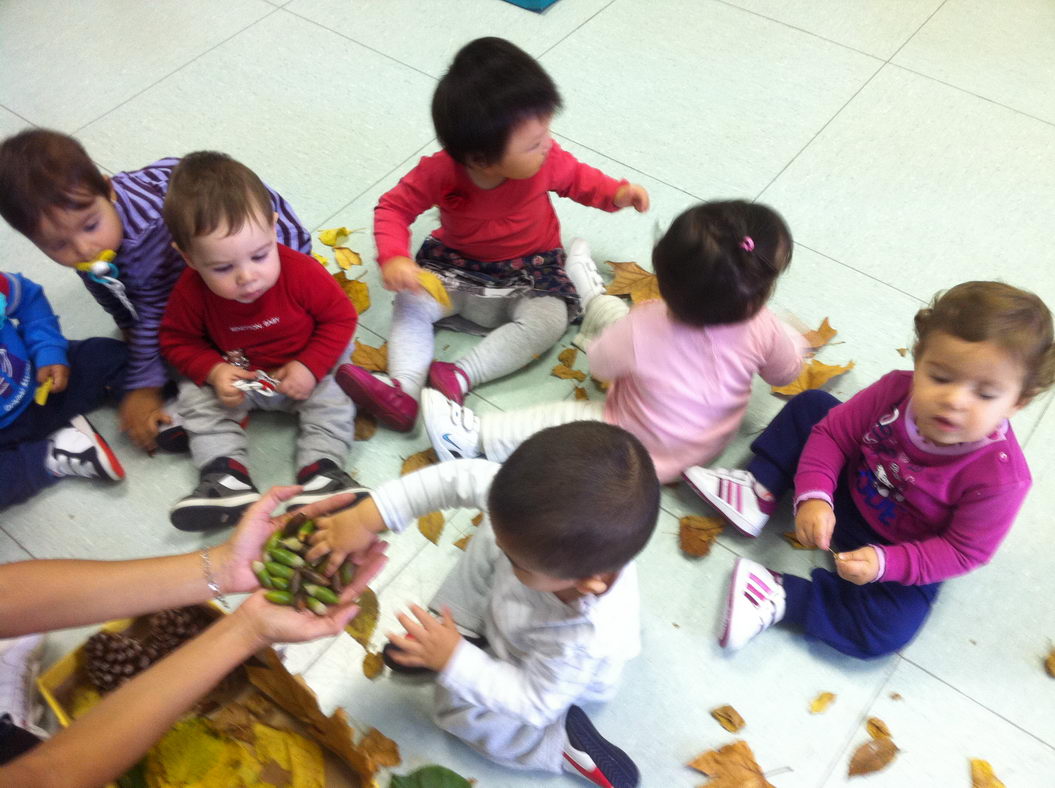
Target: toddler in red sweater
498, 248
250, 324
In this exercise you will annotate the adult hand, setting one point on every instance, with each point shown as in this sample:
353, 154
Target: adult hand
141, 415
59, 375
401, 274
814, 523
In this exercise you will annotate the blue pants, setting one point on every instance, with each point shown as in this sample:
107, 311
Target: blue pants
97, 372
862, 621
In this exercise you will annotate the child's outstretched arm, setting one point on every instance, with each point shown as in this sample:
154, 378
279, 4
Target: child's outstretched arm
24, 300
589, 186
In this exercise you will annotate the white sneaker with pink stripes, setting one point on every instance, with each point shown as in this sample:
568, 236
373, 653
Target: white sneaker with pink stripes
756, 602
732, 493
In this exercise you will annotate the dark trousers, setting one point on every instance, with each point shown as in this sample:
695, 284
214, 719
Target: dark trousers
14, 741
863, 621
97, 372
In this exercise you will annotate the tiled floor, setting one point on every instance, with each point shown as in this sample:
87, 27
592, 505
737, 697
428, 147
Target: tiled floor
910, 145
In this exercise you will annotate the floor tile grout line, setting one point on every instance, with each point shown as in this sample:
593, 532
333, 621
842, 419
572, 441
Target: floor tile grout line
176, 70
14, 539
915, 32
976, 702
859, 271
1043, 412
19, 115
574, 30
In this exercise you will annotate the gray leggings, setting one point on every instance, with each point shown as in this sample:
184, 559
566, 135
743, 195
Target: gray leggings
524, 328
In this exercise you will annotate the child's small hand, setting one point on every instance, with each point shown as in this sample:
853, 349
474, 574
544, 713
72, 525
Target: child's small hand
141, 414
350, 532
59, 374
429, 642
222, 378
814, 523
295, 380
632, 194
401, 274
860, 566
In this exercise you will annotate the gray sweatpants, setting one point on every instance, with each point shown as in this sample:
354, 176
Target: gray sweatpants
325, 431
523, 327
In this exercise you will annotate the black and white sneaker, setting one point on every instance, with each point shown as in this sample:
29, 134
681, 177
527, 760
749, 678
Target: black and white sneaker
590, 755
221, 497
322, 479
78, 450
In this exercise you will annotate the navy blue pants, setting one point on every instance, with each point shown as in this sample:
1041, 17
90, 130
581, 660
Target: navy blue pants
862, 621
97, 373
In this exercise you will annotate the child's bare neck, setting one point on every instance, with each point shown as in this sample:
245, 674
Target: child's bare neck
484, 180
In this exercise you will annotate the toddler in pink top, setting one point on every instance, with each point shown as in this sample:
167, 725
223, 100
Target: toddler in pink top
498, 248
913, 480
681, 368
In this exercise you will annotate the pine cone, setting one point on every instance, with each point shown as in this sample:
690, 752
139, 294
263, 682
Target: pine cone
169, 629
113, 658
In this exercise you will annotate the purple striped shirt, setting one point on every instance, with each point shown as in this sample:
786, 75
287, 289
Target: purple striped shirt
149, 266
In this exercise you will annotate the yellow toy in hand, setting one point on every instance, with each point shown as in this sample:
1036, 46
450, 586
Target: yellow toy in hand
41, 395
434, 287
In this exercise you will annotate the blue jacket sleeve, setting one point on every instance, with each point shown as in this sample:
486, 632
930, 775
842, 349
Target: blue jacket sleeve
39, 325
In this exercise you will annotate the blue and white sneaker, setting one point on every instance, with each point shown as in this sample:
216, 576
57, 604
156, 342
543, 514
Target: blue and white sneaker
453, 429
590, 755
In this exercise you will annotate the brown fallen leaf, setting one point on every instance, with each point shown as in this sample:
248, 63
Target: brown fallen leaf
813, 376
634, 281
565, 372
365, 426
729, 718
877, 729
601, 385
479, 518
697, 534
370, 358
895, 696
431, 526
1049, 663
820, 704
567, 356
983, 776
821, 336
357, 291
462, 543
235, 720
373, 664
415, 462
731, 766
791, 539
380, 749
873, 755
274, 774
362, 627
581, 394
902, 351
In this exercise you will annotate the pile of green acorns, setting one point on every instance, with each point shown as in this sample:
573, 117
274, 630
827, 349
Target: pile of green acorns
291, 580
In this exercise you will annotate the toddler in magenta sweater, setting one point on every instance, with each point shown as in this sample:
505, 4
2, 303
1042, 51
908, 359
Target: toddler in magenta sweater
914, 480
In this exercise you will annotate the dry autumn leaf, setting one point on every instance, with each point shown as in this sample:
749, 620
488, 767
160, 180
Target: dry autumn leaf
602, 385
731, 766
462, 543
820, 704
362, 627
634, 281
791, 539
431, 526
873, 755
813, 376
729, 718
346, 258
581, 393
821, 336
334, 236
322, 260
1049, 663
895, 696
902, 351
358, 292
434, 287
365, 426
565, 372
380, 749
274, 774
373, 664
479, 518
415, 462
567, 356
697, 534
983, 776
370, 358
877, 729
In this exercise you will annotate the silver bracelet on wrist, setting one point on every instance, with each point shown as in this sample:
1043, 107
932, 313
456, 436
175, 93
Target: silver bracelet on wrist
210, 580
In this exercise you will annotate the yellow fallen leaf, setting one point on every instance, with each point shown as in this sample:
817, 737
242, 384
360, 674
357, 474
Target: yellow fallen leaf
479, 518
365, 426
873, 755
983, 776
370, 358
567, 356
877, 729
821, 703
820, 336
791, 539
462, 543
431, 526
373, 664
416, 462
380, 749
565, 372
346, 258
357, 291
434, 287
634, 281
729, 718
42, 392
581, 393
697, 534
813, 376
325, 263
362, 627
334, 236
731, 766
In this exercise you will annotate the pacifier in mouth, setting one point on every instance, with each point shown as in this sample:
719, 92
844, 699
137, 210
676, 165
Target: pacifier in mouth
100, 266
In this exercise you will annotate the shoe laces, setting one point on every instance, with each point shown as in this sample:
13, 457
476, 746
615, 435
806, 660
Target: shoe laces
83, 464
464, 416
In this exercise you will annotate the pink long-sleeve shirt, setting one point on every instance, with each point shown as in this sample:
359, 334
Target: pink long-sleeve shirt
514, 219
945, 509
682, 390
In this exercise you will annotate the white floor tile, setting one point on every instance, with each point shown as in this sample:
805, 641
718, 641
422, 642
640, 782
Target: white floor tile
10, 550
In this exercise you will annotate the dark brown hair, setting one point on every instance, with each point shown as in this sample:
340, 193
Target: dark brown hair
42, 171
576, 500
1016, 320
209, 190
718, 262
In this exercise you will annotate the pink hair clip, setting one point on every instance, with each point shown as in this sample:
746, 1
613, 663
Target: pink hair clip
748, 244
